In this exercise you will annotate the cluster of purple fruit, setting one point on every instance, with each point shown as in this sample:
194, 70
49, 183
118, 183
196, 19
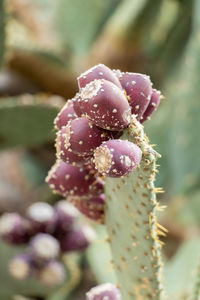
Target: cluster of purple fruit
48, 232
89, 126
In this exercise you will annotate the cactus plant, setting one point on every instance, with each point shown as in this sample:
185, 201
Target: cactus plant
52, 233
34, 113
130, 211
134, 232
142, 36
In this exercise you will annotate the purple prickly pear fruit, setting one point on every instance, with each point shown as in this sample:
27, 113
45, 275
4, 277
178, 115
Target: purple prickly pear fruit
97, 187
138, 89
66, 215
21, 267
98, 72
92, 207
90, 166
117, 73
81, 137
53, 273
67, 180
153, 105
76, 105
43, 247
67, 155
14, 229
77, 239
66, 114
116, 158
105, 105
106, 291
41, 217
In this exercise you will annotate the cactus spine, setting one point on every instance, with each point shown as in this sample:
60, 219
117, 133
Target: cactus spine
132, 225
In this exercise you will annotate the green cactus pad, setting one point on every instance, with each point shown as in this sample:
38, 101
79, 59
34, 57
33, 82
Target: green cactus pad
132, 225
27, 120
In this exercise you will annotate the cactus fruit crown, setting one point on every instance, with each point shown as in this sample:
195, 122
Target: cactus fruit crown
110, 104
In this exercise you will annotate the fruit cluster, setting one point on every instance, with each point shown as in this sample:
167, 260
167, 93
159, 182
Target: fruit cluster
48, 232
89, 126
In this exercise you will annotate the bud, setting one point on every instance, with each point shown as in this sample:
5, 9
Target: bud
52, 274
20, 266
41, 217
78, 239
13, 229
43, 247
66, 215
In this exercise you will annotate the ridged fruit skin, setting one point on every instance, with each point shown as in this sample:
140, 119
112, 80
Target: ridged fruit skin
66, 114
52, 274
66, 214
66, 154
43, 247
153, 105
105, 105
77, 239
21, 266
138, 89
81, 137
98, 72
41, 218
68, 180
104, 291
116, 158
14, 229
92, 207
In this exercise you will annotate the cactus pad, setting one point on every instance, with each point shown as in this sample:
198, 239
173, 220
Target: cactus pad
132, 225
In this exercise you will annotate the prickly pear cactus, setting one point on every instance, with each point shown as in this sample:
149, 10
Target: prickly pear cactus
132, 225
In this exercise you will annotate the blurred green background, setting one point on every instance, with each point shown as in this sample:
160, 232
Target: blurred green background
44, 45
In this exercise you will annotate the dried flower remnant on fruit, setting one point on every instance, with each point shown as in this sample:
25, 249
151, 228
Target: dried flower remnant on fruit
116, 158
106, 291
